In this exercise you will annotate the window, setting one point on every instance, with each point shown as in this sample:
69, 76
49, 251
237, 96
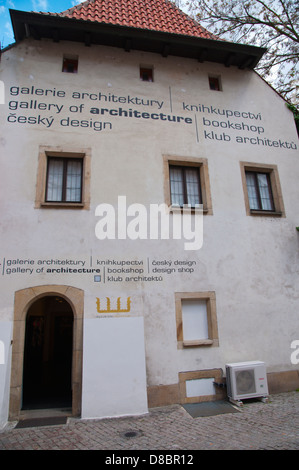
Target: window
196, 319
70, 64
187, 182
184, 185
259, 191
63, 178
215, 83
198, 385
262, 189
146, 74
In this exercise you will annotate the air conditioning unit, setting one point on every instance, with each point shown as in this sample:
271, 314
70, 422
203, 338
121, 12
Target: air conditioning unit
246, 380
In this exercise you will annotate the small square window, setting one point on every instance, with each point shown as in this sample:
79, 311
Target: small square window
70, 65
146, 74
215, 83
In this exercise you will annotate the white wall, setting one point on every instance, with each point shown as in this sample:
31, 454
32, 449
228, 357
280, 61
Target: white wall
114, 376
5, 366
250, 262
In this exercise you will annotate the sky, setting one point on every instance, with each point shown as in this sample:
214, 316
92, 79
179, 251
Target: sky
53, 6
6, 32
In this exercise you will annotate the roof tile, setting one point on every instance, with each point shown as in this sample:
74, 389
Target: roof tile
158, 15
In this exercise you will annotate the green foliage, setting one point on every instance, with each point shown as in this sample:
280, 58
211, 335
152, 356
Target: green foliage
295, 112
273, 24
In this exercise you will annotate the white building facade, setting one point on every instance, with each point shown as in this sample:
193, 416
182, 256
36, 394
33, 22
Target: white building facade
105, 130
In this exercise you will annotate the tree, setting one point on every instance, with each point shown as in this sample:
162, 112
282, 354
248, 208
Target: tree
273, 24
295, 111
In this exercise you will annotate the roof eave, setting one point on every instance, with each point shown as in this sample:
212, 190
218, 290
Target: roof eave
57, 28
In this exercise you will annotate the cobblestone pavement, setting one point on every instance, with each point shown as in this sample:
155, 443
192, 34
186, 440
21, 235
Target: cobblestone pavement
272, 425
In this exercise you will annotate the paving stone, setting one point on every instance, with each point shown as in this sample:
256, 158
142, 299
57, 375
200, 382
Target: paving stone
265, 426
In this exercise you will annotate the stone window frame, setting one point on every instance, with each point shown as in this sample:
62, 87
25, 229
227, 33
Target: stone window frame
202, 164
49, 151
213, 338
272, 171
216, 374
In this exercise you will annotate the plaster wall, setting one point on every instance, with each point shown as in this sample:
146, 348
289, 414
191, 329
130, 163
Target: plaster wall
250, 262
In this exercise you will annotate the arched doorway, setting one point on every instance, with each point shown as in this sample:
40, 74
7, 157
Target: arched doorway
24, 300
47, 370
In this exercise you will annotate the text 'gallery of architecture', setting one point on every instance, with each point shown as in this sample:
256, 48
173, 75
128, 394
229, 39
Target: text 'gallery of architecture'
149, 205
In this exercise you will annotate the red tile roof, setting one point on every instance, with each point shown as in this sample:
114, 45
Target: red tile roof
157, 15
